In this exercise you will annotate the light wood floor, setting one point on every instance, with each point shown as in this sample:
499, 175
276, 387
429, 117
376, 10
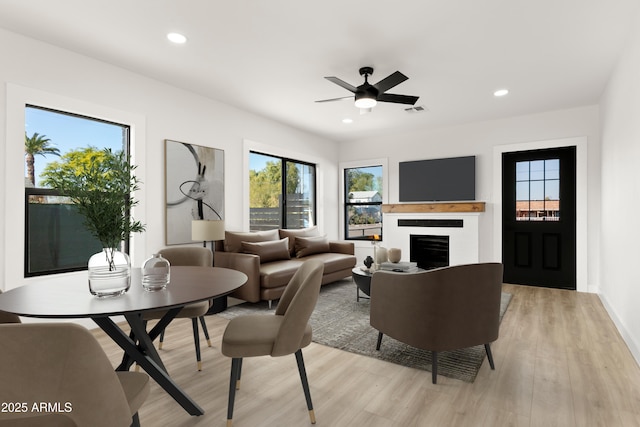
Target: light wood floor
559, 362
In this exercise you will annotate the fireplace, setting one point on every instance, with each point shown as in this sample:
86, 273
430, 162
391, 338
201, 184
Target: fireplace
429, 251
460, 228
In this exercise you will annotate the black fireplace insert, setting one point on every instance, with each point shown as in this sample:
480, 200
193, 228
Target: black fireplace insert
429, 251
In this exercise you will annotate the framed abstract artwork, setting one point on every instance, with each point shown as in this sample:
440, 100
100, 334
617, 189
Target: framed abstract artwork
194, 188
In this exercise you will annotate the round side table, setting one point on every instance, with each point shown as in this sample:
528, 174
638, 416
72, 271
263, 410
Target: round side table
363, 282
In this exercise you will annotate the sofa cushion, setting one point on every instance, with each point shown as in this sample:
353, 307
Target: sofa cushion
306, 246
278, 273
233, 239
268, 251
301, 232
334, 262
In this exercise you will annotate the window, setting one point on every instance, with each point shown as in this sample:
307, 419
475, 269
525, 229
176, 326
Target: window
538, 190
363, 202
56, 240
267, 185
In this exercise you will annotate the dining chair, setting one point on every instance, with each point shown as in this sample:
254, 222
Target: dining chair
285, 333
188, 256
57, 374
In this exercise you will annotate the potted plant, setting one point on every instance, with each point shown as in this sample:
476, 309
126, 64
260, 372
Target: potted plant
101, 183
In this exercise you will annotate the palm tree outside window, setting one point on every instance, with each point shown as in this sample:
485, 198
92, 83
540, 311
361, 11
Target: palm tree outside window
33, 146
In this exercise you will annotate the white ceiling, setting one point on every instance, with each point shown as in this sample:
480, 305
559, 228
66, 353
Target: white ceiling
270, 57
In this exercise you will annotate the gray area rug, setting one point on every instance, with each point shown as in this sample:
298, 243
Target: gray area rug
340, 322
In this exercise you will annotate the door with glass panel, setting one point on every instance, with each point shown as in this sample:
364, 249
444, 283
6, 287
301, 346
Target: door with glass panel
539, 217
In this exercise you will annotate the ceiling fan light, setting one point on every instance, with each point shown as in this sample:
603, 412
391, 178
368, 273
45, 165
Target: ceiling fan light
177, 38
365, 102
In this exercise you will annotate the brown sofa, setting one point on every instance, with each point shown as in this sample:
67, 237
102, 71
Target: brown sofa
270, 258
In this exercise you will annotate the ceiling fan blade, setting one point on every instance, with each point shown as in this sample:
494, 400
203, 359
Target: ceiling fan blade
342, 83
398, 99
336, 99
390, 81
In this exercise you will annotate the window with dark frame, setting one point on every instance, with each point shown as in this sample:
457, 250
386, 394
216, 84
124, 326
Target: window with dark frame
363, 203
282, 192
56, 240
538, 190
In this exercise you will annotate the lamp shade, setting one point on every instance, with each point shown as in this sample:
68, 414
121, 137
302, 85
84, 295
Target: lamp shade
207, 230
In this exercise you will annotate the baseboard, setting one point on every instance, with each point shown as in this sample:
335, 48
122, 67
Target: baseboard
634, 348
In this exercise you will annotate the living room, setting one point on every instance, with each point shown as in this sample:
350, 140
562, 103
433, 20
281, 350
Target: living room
157, 111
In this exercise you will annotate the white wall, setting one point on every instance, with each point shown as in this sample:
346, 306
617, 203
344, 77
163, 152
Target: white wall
482, 139
620, 113
37, 71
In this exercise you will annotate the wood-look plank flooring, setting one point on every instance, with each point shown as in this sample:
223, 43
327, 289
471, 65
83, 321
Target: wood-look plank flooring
559, 362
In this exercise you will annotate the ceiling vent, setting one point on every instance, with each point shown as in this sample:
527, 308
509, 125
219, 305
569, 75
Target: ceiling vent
416, 109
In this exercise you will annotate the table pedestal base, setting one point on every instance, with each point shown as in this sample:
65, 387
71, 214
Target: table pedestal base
145, 354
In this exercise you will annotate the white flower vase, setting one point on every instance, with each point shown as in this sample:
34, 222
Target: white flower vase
109, 273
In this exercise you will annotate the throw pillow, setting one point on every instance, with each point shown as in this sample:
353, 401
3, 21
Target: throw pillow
233, 239
311, 245
301, 232
268, 251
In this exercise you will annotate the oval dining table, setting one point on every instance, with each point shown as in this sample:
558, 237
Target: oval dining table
73, 300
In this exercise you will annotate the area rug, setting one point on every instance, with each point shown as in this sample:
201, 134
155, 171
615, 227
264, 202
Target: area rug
339, 321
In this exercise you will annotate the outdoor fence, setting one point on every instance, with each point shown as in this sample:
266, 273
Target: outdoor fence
56, 238
298, 215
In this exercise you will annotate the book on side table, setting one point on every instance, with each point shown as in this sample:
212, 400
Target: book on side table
399, 266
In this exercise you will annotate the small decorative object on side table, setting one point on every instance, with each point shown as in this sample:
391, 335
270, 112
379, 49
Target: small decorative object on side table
368, 262
395, 254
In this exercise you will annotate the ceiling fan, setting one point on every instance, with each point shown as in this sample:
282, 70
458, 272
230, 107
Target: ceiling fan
367, 95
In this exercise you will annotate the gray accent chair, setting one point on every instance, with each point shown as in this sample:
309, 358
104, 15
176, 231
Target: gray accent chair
188, 256
439, 310
285, 333
63, 366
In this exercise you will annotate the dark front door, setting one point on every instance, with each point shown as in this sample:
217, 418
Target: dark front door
539, 217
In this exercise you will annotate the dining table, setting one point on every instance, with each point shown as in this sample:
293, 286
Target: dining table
72, 300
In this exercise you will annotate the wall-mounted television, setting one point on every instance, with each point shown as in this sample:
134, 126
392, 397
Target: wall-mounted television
434, 180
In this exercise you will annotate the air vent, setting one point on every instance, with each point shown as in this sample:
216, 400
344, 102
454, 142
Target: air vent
416, 109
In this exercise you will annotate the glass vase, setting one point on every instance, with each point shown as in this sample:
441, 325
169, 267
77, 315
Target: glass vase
109, 273
155, 273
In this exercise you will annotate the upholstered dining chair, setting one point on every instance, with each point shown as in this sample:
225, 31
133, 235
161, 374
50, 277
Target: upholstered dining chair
439, 310
56, 374
188, 256
285, 333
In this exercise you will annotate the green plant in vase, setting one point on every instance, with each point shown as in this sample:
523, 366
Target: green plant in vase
100, 183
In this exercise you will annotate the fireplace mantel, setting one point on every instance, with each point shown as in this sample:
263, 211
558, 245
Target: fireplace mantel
436, 207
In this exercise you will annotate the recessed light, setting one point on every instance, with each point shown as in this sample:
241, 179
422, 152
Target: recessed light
177, 38
347, 120
501, 92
